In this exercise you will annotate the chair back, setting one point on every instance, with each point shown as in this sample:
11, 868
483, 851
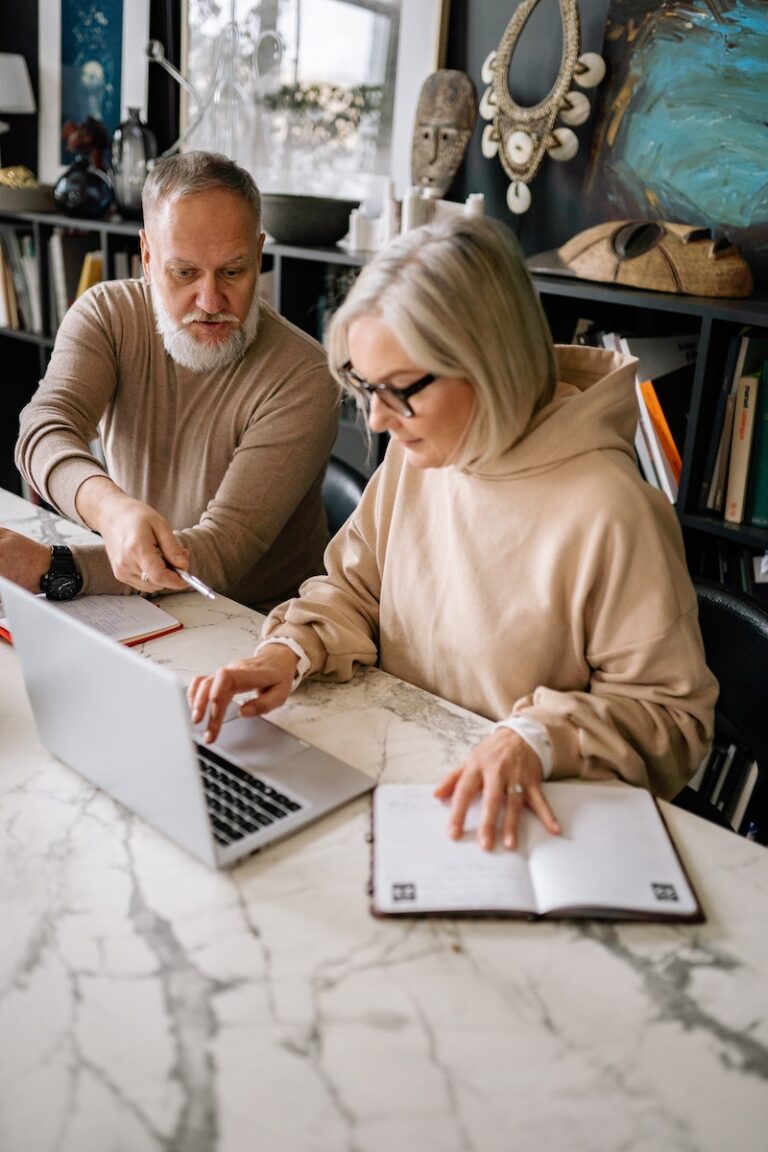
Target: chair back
342, 488
734, 628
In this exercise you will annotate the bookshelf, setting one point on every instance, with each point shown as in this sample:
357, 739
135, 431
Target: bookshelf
713, 323
307, 283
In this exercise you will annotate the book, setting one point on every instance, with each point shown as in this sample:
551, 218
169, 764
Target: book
32, 272
716, 497
127, 619
91, 272
756, 508
663, 469
741, 446
66, 252
746, 787
661, 428
714, 446
614, 859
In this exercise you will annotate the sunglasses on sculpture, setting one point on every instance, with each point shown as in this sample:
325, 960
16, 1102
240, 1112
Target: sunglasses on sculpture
394, 398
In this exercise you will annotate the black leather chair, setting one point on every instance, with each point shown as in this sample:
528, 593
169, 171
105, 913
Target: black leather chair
734, 628
342, 488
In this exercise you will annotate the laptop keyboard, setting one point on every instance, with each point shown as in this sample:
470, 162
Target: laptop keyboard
240, 803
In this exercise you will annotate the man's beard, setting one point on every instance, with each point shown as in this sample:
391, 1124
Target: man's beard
191, 353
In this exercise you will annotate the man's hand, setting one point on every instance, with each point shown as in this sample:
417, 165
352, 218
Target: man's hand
269, 675
507, 772
22, 560
139, 542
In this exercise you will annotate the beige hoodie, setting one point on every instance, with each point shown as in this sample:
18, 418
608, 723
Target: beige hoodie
552, 584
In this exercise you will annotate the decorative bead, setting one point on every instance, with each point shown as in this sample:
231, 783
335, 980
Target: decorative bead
564, 146
488, 107
589, 70
518, 198
519, 147
486, 72
575, 109
490, 142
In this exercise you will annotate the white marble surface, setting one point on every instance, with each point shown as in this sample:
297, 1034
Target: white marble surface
149, 1004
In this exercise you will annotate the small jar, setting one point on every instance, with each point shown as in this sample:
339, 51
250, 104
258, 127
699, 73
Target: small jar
134, 150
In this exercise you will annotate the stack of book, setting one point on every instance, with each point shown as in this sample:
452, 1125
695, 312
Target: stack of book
664, 376
727, 778
735, 479
20, 308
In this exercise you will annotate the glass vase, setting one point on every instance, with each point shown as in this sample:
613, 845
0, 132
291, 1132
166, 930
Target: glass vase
134, 150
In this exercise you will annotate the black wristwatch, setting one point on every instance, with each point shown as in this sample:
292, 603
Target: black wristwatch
62, 581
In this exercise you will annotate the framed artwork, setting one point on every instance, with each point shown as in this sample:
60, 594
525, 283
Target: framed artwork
310, 95
681, 134
92, 59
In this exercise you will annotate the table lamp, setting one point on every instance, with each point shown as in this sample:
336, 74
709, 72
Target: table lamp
16, 95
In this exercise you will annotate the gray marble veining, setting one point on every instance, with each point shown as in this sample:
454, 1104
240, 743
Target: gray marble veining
148, 1004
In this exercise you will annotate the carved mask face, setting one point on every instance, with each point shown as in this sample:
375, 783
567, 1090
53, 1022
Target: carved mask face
445, 117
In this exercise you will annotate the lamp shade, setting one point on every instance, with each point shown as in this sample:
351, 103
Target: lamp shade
16, 93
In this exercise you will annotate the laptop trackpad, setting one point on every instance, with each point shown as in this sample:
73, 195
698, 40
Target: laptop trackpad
256, 743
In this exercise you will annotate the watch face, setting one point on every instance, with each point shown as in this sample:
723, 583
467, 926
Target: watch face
63, 587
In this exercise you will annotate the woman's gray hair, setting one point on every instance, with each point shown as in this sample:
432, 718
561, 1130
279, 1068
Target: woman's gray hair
190, 172
459, 299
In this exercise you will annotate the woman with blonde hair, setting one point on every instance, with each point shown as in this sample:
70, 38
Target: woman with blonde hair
507, 555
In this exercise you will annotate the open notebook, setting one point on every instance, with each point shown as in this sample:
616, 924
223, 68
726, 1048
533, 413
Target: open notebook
128, 619
614, 859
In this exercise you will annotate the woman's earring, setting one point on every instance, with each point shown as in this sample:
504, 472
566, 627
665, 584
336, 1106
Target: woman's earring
521, 137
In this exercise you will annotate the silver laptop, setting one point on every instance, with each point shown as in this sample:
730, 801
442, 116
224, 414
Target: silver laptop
122, 722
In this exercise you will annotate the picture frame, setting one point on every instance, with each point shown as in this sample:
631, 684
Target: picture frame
133, 71
420, 50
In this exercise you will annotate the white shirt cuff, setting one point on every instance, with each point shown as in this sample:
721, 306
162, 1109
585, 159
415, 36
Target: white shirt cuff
303, 665
535, 736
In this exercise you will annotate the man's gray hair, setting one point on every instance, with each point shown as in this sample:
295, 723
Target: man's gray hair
459, 299
190, 172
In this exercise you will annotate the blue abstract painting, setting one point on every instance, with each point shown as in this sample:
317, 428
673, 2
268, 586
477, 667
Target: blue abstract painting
91, 62
682, 133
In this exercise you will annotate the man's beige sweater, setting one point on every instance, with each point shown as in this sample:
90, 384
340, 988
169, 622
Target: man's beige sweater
551, 585
233, 459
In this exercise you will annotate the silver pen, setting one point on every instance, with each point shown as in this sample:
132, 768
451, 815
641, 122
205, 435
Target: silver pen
196, 583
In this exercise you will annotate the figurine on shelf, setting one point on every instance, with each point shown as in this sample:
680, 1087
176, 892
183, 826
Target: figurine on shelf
85, 189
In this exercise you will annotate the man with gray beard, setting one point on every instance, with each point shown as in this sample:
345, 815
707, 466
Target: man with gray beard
216, 416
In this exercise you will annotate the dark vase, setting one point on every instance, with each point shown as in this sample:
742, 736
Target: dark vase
134, 149
83, 190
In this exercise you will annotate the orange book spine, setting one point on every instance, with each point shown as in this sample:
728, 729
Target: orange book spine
656, 413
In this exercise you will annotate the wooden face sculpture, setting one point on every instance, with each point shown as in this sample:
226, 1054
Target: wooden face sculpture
445, 116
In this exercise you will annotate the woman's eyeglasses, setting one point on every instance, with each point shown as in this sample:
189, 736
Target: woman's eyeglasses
394, 398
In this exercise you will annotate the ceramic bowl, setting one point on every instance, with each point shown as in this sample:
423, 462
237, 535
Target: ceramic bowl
311, 221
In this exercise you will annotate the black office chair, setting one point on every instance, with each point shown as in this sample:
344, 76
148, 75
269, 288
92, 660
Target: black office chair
342, 488
734, 628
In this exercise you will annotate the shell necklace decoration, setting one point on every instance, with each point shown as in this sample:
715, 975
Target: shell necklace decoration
520, 136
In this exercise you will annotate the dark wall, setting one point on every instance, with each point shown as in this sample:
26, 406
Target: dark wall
475, 29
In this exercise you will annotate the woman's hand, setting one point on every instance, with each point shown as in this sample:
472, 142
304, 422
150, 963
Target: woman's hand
506, 770
269, 674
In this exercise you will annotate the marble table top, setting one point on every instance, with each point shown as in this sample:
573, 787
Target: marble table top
148, 1004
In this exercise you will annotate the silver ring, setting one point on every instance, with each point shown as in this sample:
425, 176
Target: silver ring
145, 577
515, 790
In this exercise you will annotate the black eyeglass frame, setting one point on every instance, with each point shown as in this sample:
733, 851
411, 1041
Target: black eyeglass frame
394, 398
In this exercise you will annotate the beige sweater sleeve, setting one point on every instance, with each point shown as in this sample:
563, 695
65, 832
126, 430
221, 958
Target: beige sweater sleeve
232, 459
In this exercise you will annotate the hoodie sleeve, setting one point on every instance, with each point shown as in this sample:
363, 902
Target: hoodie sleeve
647, 713
335, 617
